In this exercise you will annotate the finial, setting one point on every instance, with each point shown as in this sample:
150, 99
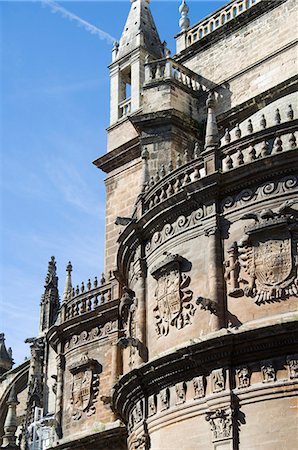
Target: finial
10, 425
145, 168
212, 137
51, 277
68, 284
184, 20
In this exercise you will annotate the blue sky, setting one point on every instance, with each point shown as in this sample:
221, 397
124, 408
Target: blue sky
55, 109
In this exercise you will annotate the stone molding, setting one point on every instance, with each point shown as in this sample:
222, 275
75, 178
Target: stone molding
90, 336
252, 195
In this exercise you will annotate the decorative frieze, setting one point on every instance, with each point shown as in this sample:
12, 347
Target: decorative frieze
180, 225
173, 297
152, 405
180, 389
92, 335
218, 380
199, 385
253, 195
85, 386
268, 372
292, 363
243, 375
138, 412
164, 399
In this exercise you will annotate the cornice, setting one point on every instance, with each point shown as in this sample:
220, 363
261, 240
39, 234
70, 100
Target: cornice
225, 350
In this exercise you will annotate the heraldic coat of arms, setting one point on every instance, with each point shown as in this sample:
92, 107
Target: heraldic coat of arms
173, 296
264, 264
84, 386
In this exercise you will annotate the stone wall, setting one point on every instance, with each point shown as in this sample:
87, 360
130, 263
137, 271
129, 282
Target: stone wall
122, 188
252, 59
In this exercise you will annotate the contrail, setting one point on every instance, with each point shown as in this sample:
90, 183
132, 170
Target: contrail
55, 7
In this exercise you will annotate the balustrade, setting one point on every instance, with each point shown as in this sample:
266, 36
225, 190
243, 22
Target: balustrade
124, 108
167, 68
218, 19
82, 300
241, 150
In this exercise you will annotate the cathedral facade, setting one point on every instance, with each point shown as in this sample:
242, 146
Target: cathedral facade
189, 339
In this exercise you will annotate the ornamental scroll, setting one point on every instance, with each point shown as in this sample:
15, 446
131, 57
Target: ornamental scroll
85, 386
263, 265
173, 297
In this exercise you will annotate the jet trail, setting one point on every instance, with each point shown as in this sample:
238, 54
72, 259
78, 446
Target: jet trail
55, 7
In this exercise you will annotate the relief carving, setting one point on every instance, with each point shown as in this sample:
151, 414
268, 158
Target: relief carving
88, 336
127, 314
199, 385
165, 399
243, 375
292, 362
173, 297
152, 405
221, 422
85, 386
180, 393
268, 373
218, 380
138, 412
263, 265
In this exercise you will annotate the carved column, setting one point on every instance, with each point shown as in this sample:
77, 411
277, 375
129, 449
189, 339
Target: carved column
59, 392
140, 289
116, 360
215, 277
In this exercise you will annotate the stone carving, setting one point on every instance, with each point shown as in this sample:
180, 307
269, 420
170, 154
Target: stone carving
243, 375
199, 384
292, 362
87, 336
263, 265
218, 380
173, 297
180, 393
152, 405
127, 314
268, 373
165, 399
221, 422
256, 194
180, 225
138, 412
141, 443
85, 386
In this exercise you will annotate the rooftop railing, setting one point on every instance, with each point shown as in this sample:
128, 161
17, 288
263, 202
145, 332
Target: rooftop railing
218, 19
86, 298
238, 148
168, 69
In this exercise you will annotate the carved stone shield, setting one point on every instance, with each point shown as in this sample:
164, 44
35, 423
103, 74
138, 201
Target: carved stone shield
272, 257
168, 295
81, 389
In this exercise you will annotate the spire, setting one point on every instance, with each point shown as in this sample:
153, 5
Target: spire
68, 283
139, 31
6, 360
50, 297
212, 137
184, 20
10, 424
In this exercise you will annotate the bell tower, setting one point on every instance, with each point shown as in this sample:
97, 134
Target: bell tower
139, 41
